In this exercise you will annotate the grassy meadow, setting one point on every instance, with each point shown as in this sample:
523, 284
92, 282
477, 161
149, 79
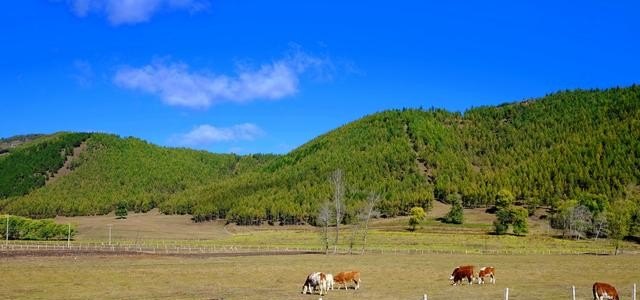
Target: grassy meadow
402, 265
280, 277
384, 235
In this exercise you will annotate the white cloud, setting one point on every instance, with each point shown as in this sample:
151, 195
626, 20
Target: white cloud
207, 134
133, 11
179, 86
83, 73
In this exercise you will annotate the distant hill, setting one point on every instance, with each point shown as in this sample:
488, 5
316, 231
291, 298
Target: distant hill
563, 146
32, 159
113, 169
6, 144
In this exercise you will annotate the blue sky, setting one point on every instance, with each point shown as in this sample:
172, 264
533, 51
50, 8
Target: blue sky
268, 76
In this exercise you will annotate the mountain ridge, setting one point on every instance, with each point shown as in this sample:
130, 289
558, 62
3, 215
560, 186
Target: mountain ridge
563, 146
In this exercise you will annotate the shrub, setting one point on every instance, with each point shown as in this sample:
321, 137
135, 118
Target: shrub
21, 228
455, 215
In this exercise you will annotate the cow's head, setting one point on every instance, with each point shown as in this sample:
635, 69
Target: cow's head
454, 273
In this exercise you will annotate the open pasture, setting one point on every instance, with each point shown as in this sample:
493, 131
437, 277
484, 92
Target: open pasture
385, 235
281, 277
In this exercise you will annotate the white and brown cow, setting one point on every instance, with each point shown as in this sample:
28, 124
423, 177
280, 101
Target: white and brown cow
462, 272
329, 282
602, 291
346, 277
315, 280
487, 271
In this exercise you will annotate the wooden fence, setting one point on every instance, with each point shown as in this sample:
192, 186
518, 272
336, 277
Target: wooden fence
572, 294
186, 247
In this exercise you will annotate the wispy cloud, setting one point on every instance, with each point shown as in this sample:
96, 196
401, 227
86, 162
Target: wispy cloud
177, 85
83, 73
133, 11
206, 134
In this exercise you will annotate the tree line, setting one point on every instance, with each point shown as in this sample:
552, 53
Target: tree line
21, 228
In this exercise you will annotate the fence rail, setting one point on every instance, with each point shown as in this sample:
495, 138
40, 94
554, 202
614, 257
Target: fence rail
152, 249
176, 248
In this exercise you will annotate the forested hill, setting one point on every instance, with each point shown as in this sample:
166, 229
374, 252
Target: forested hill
565, 146
113, 169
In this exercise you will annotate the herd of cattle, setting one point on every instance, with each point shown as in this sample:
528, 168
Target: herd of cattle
323, 282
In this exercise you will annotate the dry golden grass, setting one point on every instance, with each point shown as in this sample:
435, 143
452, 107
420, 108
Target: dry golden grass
281, 277
385, 276
145, 226
388, 234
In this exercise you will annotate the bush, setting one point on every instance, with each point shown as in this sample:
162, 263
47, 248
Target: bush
121, 210
417, 216
504, 199
456, 214
514, 216
500, 228
519, 220
27, 229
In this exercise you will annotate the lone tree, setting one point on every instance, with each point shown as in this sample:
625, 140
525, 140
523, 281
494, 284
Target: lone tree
121, 210
619, 220
504, 199
366, 214
417, 216
456, 214
338, 195
324, 217
508, 214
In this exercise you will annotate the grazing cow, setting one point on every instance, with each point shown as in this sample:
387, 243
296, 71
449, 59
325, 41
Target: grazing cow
345, 277
602, 291
487, 271
329, 282
315, 280
460, 273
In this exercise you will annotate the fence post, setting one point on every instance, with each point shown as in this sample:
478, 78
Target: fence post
6, 243
69, 235
573, 292
634, 292
506, 294
425, 297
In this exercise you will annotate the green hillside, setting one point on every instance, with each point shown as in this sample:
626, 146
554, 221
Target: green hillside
565, 146
568, 145
562, 146
27, 165
112, 169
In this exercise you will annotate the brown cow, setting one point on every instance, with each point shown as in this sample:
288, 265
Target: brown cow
602, 291
462, 272
346, 277
487, 271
